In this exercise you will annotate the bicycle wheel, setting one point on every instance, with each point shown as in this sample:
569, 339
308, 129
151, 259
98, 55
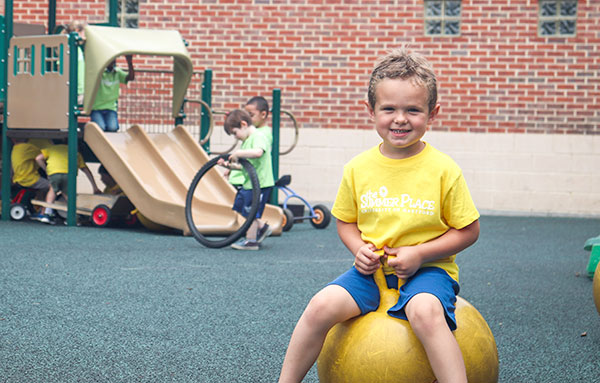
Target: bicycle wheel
189, 217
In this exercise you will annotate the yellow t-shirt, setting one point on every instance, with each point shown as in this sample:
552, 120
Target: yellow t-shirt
115, 189
405, 202
57, 159
24, 166
40, 142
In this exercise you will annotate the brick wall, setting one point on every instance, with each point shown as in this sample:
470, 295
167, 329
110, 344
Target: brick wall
498, 76
520, 113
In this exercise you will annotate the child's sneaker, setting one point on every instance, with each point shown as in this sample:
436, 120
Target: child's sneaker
246, 244
263, 233
36, 217
44, 218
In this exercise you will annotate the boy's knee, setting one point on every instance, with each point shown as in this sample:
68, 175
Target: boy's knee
318, 308
330, 306
425, 311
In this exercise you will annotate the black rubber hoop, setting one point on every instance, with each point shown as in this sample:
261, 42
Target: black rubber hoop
204, 240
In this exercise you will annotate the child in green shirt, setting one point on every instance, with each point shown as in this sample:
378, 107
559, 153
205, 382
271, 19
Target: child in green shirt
256, 148
104, 110
258, 109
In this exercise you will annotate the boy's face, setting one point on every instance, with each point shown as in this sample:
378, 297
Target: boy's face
258, 117
107, 179
401, 116
242, 132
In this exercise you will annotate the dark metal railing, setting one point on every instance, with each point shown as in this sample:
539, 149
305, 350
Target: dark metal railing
147, 101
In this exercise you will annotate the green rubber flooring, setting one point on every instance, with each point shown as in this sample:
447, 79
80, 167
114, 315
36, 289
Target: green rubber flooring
82, 304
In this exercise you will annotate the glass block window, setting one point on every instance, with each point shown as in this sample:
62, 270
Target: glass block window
557, 17
52, 59
128, 13
442, 17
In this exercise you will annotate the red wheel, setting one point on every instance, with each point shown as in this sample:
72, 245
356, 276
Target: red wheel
131, 220
101, 215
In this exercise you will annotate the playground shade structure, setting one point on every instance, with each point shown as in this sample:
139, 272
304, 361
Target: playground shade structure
104, 44
155, 171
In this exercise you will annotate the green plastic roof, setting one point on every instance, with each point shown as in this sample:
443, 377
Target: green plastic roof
104, 44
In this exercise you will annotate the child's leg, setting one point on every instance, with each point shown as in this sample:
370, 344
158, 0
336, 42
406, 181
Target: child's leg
252, 230
97, 117
331, 305
427, 319
111, 120
50, 198
265, 194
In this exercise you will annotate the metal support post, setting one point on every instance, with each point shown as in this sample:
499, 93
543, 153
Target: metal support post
276, 118
207, 98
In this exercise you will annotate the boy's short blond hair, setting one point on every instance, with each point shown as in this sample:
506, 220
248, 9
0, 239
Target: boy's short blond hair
234, 120
75, 26
402, 64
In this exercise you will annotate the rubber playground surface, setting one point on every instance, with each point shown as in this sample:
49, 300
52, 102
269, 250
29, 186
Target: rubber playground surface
121, 305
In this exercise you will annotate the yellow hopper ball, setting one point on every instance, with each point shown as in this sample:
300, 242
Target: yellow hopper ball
379, 348
597, 288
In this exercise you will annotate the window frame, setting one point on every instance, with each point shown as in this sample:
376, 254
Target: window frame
443, 19
123, 17
556, 19
52, 59
24, 60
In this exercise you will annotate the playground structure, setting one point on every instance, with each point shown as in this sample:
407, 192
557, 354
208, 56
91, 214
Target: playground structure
593, 268
597, 289
153, 170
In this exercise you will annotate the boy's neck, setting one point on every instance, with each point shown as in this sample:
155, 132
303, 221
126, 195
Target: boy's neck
250, 129
402, 153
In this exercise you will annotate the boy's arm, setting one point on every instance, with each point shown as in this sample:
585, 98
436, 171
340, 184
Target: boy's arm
246, 153
233, 163
365, 260
41, 161
130, 70
89, 175
410, 258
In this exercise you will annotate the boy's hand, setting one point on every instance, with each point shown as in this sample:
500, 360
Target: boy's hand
406, 262
366, 260
231, 163
233, 157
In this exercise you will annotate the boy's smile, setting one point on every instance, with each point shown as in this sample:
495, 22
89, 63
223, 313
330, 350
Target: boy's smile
401, 116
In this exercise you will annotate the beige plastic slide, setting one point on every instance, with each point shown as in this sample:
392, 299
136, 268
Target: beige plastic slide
155, 171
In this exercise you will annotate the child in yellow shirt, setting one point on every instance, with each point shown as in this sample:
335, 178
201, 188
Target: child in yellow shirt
405, 205
55, 161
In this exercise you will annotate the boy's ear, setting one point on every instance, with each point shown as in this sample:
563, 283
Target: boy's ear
370, 110
433, 114
243, 124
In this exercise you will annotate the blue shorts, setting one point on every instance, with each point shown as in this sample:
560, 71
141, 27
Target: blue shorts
243, 201
432, 280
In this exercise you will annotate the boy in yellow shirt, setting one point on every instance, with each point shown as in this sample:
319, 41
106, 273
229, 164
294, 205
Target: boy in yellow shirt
55, 161
405, 205
25, 169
